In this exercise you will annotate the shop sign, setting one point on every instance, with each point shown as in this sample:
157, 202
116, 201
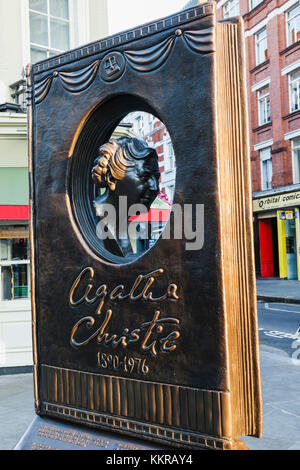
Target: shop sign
282, 215
276, 202
289, 215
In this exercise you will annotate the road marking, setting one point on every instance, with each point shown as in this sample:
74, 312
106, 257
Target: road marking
281, 334
281, 309
282, 410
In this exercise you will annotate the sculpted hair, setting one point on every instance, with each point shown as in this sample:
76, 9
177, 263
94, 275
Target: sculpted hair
117, 156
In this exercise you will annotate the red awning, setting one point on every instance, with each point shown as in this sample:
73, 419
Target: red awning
14, 212
154, 215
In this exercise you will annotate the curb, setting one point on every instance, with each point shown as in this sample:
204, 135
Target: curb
285, 300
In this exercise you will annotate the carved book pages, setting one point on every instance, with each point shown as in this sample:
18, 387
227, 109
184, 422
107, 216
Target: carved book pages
160, 344
239, 281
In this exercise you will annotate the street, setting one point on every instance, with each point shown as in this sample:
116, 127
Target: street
280, 374
278, 325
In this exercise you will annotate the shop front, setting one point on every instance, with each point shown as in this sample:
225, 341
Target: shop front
277, 236
15, 304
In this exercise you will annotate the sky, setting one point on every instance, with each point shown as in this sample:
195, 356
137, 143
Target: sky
125, 14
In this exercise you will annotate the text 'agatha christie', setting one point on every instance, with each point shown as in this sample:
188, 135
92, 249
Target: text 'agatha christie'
153, 336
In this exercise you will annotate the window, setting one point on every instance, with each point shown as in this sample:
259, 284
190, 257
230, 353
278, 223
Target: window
14, 264
261, 47
296, 160
254, 3
139, 125
294, 88
266, 168
263, 98
231, 8
169, 156
170, 192
150, 122
293, 25
49, 28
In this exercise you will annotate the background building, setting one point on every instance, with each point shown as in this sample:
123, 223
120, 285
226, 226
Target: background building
272, 30
31, 30
273, 40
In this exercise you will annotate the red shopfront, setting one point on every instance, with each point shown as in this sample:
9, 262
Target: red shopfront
268, 247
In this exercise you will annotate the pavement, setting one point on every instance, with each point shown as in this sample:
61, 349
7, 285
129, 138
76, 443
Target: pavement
278, 290
280, 366
16, 408
281, 408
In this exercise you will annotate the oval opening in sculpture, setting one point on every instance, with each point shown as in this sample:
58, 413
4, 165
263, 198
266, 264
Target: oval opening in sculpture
123, 184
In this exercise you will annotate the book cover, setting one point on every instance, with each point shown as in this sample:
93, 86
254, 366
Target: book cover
163, 344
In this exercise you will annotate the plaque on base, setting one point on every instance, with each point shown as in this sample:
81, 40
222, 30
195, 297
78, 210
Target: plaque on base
50, 434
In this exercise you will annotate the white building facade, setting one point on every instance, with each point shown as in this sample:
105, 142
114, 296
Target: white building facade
30, 30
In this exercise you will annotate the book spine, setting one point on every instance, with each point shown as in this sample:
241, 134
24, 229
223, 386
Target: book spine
236, 229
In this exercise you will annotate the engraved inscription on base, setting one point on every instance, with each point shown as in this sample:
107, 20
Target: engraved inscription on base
48, 434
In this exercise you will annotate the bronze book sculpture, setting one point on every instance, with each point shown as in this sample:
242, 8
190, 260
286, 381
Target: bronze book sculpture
160, 345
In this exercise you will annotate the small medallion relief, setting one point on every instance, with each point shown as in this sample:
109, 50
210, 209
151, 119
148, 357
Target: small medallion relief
112, 66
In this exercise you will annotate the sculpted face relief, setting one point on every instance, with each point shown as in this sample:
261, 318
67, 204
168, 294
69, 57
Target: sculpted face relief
125, 167
155, 336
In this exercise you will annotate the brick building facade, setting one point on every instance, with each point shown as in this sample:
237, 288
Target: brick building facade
272, 32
